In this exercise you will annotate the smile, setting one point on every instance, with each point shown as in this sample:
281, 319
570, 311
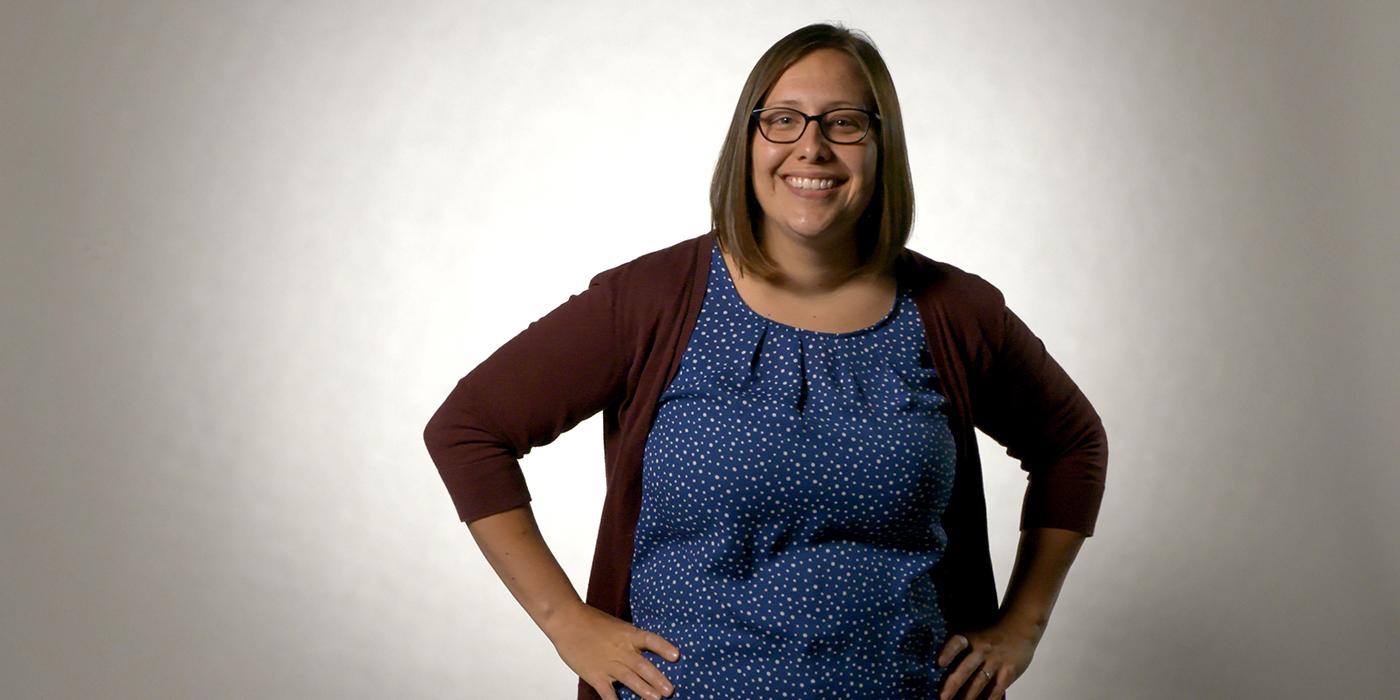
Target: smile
807, 183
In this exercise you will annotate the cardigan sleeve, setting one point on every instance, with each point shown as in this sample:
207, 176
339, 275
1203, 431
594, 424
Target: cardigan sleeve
1027, 403
558, 371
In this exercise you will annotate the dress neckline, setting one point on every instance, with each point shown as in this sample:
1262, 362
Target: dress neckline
717, 258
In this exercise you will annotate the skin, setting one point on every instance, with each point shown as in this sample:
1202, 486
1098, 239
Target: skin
814, 245
812, 240
597, 646
1004, 649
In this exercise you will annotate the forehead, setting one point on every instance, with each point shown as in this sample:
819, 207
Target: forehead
825, 77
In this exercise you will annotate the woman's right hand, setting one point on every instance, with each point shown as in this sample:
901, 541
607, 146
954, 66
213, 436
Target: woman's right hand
602, 649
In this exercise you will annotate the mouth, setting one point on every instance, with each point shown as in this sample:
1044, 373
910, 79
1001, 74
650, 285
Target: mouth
812, 187
811, 184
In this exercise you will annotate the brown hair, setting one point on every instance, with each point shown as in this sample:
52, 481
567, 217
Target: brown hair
884, 227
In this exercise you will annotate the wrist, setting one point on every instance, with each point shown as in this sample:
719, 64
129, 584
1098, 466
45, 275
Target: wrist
1030, 622
551, 621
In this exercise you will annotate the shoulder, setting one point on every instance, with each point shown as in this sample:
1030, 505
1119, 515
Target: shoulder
971, 310
656, 270
949, 287
656, 288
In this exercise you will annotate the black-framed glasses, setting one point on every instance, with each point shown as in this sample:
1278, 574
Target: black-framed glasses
843, 125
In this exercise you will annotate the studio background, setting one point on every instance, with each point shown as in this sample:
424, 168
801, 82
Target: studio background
248, 249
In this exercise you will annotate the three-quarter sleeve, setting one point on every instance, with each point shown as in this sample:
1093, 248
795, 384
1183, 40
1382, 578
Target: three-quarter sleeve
560, 370
1025, 401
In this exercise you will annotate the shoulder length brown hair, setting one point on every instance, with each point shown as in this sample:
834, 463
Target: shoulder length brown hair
884, 228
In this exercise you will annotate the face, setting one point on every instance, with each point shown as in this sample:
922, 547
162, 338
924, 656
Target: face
820, 81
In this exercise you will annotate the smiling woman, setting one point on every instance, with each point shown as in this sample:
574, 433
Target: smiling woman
813, 70
794, 499
810, 186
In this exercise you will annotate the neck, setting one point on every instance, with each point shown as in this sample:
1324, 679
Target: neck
811, 266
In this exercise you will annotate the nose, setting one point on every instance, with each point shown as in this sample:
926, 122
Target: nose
813, 143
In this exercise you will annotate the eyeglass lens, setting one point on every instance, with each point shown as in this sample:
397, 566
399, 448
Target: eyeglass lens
839, 126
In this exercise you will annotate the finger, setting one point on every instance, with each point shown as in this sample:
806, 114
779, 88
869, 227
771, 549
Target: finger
973, 688
605, 690
998, 688
653, 676
662, 647
960, 676
637, 684
952, 683
954, 646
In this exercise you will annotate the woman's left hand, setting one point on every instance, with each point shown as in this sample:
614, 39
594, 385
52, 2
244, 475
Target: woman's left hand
996, 656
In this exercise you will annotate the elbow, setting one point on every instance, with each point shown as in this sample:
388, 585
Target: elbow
438, 434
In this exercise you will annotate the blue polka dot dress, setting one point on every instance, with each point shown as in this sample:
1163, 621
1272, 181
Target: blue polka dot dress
792, 492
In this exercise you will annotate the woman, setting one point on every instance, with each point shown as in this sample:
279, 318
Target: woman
794, 502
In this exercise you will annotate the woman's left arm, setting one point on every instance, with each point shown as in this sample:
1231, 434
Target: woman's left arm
1005, 648
1042, 563
1023, 399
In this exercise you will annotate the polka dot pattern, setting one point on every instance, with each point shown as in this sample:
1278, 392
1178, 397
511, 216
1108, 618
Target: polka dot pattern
793, 487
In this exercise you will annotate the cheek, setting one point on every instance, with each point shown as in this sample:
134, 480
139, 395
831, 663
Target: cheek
871, 169
763, 165
764, 162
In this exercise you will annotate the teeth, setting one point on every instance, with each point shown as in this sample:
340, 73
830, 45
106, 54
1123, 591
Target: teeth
807, 183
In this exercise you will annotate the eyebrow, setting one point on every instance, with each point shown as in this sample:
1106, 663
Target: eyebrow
826, 107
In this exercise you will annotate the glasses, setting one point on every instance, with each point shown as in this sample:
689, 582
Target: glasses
784, 125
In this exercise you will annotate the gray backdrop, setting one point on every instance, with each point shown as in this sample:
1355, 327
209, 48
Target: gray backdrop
249, 247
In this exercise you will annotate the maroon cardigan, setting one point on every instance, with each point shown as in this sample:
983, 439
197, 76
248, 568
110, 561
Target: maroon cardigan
616, 345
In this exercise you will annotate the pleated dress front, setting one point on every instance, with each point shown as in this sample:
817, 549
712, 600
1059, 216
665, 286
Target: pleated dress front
793, 488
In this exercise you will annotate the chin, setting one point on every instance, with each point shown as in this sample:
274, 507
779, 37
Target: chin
813, 232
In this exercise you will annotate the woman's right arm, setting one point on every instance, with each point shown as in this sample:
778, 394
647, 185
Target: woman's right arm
514, 547
599, 647
568, 365
561, 369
